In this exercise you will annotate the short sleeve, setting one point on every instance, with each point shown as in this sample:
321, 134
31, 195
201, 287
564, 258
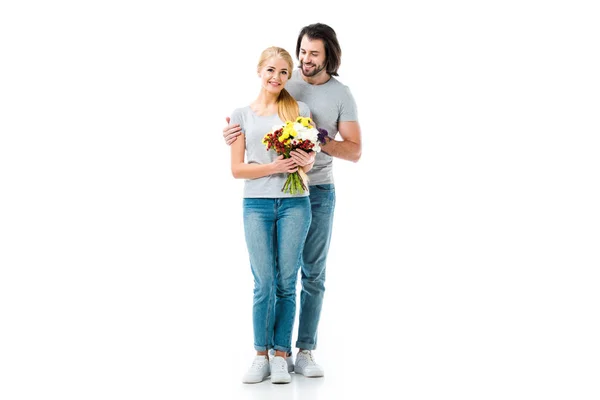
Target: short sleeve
303, 109
348, 111
237, 117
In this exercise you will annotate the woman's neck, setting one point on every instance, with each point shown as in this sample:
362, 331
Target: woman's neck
266, 98
265, 103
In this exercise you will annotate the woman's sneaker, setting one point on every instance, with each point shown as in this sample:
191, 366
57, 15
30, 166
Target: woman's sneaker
306, 365
259, 370
289, 359
279, 370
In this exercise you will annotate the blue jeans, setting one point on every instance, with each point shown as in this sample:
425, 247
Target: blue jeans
322, 203
275, 232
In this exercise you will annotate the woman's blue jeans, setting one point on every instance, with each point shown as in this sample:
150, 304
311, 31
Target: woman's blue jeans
275, 230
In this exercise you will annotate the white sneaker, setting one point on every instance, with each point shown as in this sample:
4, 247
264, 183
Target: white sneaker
279, 370
289, 359
259, 370
306, 365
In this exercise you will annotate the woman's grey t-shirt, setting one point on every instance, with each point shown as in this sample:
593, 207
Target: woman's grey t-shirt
255, 127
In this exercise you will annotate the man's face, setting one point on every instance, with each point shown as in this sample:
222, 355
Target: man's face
311, 56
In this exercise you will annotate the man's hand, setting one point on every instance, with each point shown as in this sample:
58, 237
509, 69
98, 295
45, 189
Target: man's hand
302, 158
350, 147
231, 132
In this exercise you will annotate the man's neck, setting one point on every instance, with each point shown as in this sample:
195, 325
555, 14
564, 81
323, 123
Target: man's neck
319, 79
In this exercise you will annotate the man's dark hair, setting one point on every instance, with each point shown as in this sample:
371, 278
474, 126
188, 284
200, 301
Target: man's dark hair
333, 51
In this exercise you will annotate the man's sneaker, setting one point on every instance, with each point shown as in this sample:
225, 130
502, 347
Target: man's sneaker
306, 365
289, 359
259, 370
279, 372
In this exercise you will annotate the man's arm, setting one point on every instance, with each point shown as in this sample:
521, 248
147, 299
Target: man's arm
348, 149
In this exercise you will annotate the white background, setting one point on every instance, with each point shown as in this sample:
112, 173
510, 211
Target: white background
466, 240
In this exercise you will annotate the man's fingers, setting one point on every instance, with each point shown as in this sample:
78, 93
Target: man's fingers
227, 119
229, 129
232, 135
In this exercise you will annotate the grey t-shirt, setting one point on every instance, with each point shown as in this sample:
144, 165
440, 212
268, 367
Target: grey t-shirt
255, 127
330, 103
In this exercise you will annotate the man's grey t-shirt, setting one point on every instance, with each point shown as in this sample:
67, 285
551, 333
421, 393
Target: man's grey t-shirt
330, 103
255, 127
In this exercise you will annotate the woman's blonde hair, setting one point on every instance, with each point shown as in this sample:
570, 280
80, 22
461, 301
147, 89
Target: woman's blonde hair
287, 106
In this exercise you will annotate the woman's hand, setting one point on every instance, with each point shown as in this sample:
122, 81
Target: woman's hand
302, 158
284, 165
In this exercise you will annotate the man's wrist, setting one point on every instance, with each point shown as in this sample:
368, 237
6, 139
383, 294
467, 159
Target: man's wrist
327, 144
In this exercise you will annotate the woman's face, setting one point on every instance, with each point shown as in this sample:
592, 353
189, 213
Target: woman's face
274, 74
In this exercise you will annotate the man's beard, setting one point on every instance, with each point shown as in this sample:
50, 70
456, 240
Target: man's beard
313, 73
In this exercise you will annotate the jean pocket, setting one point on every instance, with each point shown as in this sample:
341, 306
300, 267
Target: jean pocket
326, 187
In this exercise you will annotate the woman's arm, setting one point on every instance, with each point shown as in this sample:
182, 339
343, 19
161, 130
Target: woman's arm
241, 170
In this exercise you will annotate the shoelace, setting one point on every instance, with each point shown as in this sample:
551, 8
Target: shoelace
310, 359
280, 365
257, 364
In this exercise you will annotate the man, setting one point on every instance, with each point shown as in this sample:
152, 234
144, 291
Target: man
334, 109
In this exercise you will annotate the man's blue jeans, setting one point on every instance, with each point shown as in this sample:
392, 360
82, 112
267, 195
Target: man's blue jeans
275, 232
322, 203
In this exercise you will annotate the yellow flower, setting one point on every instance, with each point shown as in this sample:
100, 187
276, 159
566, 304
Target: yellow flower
289, 130
305, 121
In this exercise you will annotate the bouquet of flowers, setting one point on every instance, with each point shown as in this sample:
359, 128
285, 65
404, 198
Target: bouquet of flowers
300, 134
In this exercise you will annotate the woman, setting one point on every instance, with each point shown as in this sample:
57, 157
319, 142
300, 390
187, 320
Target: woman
275, 223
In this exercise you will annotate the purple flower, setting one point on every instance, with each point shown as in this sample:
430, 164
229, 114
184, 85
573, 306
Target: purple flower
322, 135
